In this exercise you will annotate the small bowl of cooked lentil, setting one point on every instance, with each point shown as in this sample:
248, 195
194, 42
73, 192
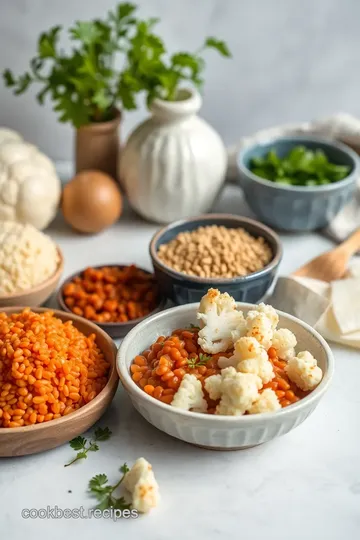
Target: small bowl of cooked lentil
231, 253
57, 377
115, 297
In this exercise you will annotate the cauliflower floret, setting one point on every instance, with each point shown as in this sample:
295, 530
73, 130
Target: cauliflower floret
267, 401
140, 482
261, 323
304, 371
225, 362
213, 386
218, 317
250, 357
248, 347
284, 341
244, 348
259, 366
189, 395
260, 327
270, 312
237, 391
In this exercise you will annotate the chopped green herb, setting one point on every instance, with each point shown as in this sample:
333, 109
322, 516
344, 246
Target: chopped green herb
193, 327
83, 446
104, 493
300, 167
202, 360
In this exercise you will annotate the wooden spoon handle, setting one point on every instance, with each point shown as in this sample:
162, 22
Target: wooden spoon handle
352, 244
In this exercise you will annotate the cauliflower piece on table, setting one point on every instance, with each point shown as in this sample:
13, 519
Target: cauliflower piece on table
189, 395
250, 357
267, 401
284, 341
304, 371
237, 391
219, 317
140, 482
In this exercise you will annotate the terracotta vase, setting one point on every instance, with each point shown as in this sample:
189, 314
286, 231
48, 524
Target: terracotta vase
97, 147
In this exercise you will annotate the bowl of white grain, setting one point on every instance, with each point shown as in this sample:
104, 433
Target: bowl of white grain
31, 265
231, 253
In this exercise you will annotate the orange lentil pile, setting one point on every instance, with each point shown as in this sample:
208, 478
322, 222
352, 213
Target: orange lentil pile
160, 369
112, 294
48, 368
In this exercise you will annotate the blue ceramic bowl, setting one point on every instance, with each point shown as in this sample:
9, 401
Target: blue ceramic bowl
184, 289
294, 208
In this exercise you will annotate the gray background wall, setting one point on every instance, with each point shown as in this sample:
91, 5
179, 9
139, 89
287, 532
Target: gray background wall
293, 60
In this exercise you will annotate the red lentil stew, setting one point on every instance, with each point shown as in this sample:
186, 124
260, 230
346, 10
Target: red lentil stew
48, 368
112, 294
160, 369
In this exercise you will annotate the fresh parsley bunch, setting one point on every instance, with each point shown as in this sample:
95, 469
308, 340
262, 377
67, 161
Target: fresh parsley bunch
84, 84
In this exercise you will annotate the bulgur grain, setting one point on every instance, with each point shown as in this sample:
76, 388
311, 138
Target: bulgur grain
216, 252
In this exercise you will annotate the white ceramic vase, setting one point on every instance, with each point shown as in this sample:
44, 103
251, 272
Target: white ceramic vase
174, 163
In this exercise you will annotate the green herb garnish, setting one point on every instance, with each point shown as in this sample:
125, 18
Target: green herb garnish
83, 446
193, 327
104, 493
202, 360
300, 167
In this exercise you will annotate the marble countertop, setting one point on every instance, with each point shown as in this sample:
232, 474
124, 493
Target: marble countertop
304, 484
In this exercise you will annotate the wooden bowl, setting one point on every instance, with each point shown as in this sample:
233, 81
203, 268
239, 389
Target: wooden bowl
39, 437
37, 295
115, 330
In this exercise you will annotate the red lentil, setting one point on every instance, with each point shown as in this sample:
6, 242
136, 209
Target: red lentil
63, 371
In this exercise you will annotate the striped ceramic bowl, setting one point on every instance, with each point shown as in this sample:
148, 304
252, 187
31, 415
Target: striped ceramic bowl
210, 431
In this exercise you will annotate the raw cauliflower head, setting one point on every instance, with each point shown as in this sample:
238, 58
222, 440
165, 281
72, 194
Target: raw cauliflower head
266, 402
8, 135
237, 391
219, 317
189, 395
284, 341
29, 186
304, 371
140, 482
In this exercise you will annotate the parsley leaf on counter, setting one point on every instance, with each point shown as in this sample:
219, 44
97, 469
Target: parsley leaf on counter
83, 446
300, 167
104, 493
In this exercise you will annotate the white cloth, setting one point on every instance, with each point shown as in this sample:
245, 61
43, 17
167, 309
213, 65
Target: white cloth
342, 127
324, 306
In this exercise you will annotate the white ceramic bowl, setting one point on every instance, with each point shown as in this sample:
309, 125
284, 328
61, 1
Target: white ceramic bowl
210, 431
